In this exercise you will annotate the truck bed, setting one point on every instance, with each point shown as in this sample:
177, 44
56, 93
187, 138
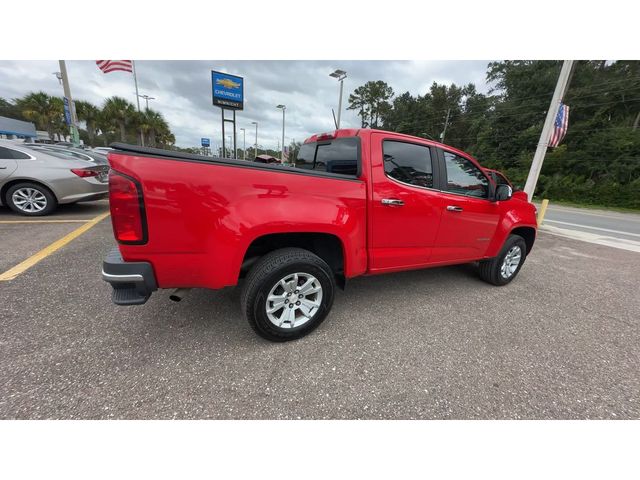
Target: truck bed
202, 213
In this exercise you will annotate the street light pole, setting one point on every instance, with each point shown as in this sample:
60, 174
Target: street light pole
244, 143
256, 124
75, 137
340, 75
283, 107
147, 98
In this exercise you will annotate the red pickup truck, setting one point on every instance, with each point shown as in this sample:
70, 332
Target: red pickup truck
357, 202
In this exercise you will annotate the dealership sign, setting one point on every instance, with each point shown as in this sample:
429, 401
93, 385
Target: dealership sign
228, 90
205, 142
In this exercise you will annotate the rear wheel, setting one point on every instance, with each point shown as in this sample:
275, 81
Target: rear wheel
503, 268
30, 199
287, 294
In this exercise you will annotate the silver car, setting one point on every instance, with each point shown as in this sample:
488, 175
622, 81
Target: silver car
94, 157
35, 181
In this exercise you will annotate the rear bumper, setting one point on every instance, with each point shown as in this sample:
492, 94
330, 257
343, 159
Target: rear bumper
132, 282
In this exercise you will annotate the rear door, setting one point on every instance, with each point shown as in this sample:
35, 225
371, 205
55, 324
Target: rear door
469, 218
404, 206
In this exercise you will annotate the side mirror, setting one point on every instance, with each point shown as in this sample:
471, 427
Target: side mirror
503, 192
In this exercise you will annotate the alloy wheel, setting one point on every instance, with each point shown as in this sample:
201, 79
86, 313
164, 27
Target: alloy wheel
29, 200
294, 300
511, 262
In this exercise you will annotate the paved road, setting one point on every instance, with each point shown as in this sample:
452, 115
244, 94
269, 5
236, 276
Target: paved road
614, 224
562, 341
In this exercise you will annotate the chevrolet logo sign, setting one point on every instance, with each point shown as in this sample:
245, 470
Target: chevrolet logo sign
228, 83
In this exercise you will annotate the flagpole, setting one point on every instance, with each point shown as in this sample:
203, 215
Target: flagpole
545, 136
135, 79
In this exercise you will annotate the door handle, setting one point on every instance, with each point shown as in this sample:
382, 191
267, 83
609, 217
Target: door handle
454, 208
392, 202
3, 168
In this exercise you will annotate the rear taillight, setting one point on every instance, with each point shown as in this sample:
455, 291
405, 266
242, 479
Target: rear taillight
127, 209
85, 172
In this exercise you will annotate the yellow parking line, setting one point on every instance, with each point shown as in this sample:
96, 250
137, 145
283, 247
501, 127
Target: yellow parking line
73, 220
45, 252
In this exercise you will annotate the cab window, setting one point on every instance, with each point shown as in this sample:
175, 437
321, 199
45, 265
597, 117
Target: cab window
464, 178
338, 156
408, 163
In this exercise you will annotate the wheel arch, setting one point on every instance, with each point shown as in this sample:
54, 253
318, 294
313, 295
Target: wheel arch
527, 233
6, 186
329, 247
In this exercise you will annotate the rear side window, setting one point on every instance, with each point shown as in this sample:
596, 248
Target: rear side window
10, 154
338, 156
464, 178
408, 163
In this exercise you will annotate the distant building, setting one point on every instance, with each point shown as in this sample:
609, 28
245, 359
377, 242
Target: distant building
11, 129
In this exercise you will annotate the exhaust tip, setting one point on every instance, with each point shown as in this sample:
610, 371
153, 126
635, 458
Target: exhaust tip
178, 294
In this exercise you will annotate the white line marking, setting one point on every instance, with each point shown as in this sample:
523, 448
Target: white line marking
632, 217
593, 228
620, 243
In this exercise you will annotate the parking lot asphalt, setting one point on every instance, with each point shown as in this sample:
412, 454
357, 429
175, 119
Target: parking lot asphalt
561, 342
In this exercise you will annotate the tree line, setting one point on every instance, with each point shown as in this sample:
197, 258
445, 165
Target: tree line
598, 162
116, 120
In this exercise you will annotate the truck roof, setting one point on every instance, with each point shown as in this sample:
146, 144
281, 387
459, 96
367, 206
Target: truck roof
362, 132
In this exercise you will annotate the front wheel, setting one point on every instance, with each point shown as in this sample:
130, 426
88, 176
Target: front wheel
503, 268
287, 294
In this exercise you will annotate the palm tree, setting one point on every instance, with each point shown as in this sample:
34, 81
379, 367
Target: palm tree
45, 111
118, 112
90, 114
158, 129
143, 122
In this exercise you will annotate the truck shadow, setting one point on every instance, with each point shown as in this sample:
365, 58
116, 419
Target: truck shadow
218, 313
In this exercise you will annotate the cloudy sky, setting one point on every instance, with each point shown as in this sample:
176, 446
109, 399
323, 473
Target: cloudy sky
183, 90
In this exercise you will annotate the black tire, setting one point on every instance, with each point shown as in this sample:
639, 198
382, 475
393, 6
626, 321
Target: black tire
266, 273
490, 270
51, 202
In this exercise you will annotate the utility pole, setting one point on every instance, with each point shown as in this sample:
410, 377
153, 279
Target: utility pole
244, 143
283, 107
75, 137
547, 129
256, 124
446, 124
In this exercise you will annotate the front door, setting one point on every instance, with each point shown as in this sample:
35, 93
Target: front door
404, 209
469, 218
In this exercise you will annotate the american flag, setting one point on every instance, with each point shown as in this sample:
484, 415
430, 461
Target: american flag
108, 66
561, 125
